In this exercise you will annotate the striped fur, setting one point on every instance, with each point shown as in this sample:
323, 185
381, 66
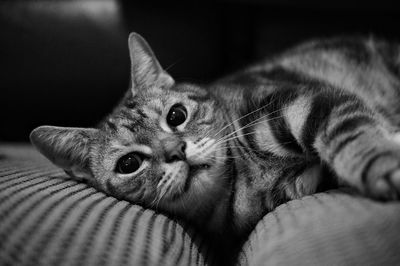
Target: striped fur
252, 140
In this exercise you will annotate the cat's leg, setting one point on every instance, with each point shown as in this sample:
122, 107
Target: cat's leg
336, 128
360, 149
339, 129
368, 160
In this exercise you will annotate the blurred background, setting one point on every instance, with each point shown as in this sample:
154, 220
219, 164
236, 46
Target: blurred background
66, 63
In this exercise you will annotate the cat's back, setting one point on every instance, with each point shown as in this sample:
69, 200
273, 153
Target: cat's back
365, 66
342, 61
331, 60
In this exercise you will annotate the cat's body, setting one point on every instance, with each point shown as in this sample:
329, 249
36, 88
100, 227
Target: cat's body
299, 90
222, 156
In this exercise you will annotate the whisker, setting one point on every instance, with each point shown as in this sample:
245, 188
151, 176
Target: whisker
236, 137
162, 195
162, 192
246, 126
236, 120
234, 147
227, 157
256, 121
173, 64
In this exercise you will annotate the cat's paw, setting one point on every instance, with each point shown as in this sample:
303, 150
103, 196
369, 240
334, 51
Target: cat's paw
305, 184
382, 176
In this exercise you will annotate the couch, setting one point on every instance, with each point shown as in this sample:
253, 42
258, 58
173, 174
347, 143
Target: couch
48, 219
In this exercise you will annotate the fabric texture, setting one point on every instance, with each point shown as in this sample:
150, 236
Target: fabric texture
334, 228
48, 219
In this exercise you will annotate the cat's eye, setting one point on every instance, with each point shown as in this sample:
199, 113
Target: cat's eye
129, 163
176, 115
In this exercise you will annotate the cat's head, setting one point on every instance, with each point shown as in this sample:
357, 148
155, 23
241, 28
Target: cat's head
160, 147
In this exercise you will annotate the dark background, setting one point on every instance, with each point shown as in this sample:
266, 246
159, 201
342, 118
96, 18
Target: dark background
66, 62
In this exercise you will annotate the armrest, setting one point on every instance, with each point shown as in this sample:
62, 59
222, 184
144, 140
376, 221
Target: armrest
333, 228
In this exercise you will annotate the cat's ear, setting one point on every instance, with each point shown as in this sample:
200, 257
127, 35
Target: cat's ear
67, 148
146, 71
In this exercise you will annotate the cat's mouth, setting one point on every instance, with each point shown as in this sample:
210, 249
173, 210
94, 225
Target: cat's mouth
199, 167
197, 164
194, 170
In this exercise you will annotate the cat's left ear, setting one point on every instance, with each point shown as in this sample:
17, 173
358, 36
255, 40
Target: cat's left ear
68, 148
146, 71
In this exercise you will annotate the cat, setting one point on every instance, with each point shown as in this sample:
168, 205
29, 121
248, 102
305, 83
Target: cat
323, 114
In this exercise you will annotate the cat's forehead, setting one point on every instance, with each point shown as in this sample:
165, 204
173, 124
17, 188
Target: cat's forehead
142, 111
156, 96
181, 90
126, 128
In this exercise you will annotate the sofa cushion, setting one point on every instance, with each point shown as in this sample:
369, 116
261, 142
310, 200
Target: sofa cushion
334, 228
48, 219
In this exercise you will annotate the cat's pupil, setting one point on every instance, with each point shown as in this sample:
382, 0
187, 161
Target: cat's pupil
176, 115
129, 163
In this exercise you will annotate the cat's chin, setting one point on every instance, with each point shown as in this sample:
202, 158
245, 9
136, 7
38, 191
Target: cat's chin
202, 191
198, 177
194, 173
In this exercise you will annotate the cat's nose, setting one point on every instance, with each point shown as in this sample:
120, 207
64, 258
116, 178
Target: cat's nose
174, 151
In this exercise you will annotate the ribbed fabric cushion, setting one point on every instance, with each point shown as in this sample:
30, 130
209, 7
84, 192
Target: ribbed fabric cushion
332, 228
48, 219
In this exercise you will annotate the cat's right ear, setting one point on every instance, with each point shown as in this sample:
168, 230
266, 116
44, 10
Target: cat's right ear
68, 148
146, 71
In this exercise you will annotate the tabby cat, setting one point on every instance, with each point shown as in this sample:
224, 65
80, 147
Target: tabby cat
221, 156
